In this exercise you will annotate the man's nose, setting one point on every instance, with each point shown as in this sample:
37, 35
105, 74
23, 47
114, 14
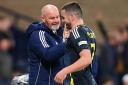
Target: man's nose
57, 19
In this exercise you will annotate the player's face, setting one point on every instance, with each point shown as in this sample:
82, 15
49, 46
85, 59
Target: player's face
65, 19
52, 19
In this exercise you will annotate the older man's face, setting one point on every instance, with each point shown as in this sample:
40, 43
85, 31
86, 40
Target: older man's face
52, 19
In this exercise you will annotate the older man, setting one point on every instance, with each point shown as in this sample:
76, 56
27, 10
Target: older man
45, 47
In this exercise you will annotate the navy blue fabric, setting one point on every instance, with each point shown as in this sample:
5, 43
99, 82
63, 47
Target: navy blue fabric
94, 68
45, 54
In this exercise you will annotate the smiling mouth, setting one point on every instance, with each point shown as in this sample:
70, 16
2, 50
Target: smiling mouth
55, 24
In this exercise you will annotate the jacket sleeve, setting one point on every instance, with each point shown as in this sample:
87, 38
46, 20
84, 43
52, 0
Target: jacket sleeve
43, 49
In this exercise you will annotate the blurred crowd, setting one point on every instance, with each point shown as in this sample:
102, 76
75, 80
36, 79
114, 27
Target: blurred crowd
112, 53
13, 55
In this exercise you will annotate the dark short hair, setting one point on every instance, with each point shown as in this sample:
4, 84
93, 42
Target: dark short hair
74, 8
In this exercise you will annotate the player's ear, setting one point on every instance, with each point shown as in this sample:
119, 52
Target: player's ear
72, 17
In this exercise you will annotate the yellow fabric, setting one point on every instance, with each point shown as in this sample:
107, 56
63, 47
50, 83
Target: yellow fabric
71, 81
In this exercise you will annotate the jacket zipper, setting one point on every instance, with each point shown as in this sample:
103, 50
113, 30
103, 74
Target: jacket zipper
38, 74
50, 76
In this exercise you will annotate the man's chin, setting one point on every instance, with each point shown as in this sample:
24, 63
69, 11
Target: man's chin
55, 28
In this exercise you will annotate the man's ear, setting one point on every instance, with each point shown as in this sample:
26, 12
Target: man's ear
72, 17
42, 18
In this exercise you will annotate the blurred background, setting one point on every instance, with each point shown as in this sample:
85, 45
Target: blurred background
107, 18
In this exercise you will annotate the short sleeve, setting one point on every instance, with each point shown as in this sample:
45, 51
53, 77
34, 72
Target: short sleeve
79, 39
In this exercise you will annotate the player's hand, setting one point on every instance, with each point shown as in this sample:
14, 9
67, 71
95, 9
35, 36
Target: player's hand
66, 33
60, 76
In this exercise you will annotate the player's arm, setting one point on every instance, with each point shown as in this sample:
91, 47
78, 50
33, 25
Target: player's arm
83, 62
